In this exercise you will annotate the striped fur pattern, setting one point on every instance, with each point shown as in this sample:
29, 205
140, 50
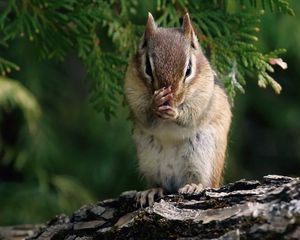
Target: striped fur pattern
190, 146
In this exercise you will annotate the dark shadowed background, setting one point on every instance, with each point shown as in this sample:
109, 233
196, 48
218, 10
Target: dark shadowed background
86, 158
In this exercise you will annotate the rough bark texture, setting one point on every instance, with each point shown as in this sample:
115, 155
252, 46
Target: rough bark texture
269, 209
19, 232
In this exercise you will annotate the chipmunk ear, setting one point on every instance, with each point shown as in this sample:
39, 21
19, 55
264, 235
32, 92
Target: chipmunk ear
150, 26
188, 31
187, 27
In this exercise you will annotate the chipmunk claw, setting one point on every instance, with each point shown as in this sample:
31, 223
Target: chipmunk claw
161, 102
162, 96
147, 197
191, 189
167, 112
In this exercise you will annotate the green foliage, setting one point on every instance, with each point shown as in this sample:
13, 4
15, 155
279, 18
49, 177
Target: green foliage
27, 157
226, 29
274, 5
12, 94
6, 66
58, 27
39, 202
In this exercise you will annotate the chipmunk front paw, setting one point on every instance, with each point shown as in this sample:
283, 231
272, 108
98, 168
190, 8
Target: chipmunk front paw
161, 102
167, 112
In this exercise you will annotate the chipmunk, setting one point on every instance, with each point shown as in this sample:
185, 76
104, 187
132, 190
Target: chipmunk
181, 114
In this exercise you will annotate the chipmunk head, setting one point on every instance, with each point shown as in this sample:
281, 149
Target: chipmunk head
169, 57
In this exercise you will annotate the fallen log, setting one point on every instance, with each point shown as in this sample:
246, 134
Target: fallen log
266, 209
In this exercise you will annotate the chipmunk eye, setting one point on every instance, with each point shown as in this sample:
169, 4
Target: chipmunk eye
148, 68
188, 69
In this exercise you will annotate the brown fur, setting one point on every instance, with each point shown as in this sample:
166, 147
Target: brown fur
201, 104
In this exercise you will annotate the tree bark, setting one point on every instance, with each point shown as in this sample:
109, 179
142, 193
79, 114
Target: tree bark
266, 209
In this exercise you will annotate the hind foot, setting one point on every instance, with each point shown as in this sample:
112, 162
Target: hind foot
147, 197
191, 189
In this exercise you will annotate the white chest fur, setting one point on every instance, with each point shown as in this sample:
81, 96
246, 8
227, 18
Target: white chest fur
173, 162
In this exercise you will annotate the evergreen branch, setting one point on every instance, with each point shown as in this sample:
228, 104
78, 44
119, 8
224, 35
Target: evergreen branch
281, 6
106, 69
6, 67
58, 27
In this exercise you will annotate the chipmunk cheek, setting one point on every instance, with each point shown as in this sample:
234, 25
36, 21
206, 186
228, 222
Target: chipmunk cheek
178, 98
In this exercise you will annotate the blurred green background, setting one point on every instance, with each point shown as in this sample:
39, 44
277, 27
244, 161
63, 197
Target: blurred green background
78, 157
